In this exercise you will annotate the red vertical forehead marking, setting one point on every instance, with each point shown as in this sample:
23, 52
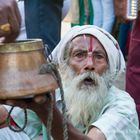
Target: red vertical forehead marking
91, 44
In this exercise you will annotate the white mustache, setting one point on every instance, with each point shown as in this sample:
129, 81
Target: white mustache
92, 76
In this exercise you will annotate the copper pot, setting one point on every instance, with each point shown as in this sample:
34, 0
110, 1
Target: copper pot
19, 70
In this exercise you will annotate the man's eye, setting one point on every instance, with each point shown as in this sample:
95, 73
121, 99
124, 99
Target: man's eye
98, 56
79, 55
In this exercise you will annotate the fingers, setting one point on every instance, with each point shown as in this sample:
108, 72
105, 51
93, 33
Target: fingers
40, 99
9, 20
14, 20
3, 115
5, 28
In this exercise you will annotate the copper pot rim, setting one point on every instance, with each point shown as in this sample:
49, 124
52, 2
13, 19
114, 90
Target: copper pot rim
22, 46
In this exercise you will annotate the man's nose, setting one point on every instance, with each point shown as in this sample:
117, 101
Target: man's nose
90, 64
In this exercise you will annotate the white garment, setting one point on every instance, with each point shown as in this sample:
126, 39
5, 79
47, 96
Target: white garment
22, 35
103, 14
66, 7
118, 119
7, 134
34, 125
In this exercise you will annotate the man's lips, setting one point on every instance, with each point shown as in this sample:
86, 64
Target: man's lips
89, 81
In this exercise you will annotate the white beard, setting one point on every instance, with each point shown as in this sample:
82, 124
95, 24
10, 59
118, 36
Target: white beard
84, 102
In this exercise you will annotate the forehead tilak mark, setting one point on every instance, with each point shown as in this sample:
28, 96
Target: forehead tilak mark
85, 41
90, 46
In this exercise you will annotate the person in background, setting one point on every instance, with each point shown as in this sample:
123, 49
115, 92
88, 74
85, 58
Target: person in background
124, 37
133, 64
23, 35
104, 16
39, 24
89, 60
43, 20
10, 20
80, 13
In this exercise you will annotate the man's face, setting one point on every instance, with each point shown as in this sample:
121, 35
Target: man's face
87, 54
83, 76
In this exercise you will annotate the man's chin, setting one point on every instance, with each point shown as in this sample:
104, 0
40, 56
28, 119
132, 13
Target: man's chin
84, 103
88, 88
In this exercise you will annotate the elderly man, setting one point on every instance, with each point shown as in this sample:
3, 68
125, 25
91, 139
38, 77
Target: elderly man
89, 61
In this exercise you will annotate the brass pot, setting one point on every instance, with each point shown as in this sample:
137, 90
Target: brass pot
19, 70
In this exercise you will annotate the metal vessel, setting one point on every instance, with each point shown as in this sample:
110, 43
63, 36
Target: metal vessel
19, 70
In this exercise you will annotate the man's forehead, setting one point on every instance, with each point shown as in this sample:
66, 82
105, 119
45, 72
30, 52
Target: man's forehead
81, 36
80, 39
86, 41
